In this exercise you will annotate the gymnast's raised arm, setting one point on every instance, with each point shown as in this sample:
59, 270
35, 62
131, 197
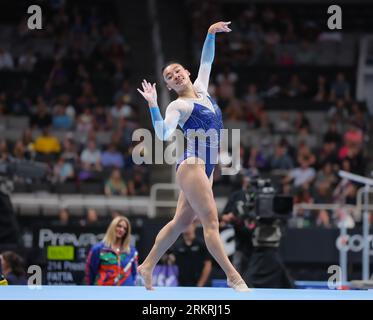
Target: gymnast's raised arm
208, 53
163, 128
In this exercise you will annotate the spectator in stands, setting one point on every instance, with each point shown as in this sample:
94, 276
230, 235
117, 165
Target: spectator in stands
251, 95
283, 124
332, 135
324, 185
295, 87
281, 159
41, 118
264, 124
28, 142
121, 109
27, 61
286, 59
305, 137
305, 54
46, 143
115, 185
58, 74
289, 37
234, 111
323, 219
64, 100
321, 94
139, 185
18, 104
63, 218
125, 132
301, 121
303, 175
126, 92
113, 261
359, 117
226, 86
354, 155
304, 216
344, 215
303, 152
102, 119
19, 150
267, 56
12, 266
338, 112
111, 157
345, 191
63, 170
91, 157
272, 37
353, 141
70, 153
6, 60
325, 178
115, 214
353, 136
340, 88
256, 159
192, 259
91, 219
4, 151
3, 107
328, 154
85, 121
273, 88
61, 121
82, 74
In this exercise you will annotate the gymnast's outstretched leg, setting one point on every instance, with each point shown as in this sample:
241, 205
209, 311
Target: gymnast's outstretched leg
198, 192
184, 216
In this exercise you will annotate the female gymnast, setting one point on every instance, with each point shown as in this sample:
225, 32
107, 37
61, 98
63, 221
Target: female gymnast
193, 110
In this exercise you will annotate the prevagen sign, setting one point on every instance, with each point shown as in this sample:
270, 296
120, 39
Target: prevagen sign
49, 237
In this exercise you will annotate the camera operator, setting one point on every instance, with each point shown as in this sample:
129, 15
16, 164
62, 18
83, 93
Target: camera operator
234, 214
266, 269
258, 214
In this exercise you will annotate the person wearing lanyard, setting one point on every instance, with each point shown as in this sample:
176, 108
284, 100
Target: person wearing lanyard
113, 261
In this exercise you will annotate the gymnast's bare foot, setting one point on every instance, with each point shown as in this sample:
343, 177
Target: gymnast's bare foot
238, 284
146, 274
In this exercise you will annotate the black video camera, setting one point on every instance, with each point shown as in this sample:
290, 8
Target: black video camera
265, 203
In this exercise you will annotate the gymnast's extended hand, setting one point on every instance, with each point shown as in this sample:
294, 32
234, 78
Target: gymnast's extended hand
149, 93
220, 27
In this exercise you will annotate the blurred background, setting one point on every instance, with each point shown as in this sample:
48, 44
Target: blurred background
300, 94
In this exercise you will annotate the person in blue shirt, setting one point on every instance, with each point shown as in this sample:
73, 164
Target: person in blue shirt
12, 266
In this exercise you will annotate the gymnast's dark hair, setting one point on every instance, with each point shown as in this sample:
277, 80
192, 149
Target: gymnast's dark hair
169, 63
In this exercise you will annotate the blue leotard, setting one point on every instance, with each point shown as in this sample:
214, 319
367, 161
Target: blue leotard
202, 114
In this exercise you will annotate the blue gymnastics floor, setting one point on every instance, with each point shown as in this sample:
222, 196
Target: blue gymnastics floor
174, 293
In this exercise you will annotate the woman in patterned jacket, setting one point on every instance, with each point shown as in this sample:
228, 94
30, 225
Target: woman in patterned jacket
113, 261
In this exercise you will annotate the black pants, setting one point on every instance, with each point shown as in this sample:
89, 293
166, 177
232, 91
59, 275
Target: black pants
266, 270
9, 229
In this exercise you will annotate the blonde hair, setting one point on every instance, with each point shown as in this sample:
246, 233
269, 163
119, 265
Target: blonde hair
110, 235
